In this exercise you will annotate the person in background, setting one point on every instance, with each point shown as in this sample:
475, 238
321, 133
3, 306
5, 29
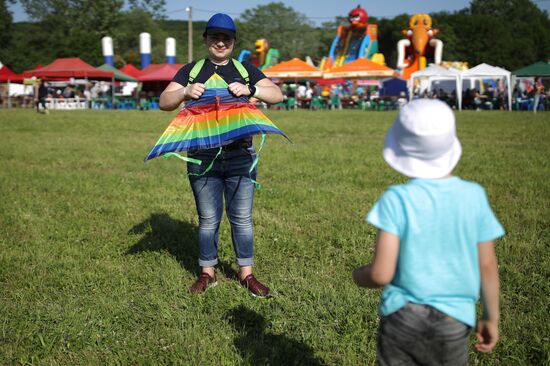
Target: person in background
435, 247
539, 92
402, 100
301, 91
68, 92
88, 96
231, 172
40, 94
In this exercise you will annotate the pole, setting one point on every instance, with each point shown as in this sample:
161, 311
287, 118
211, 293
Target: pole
190, 34
113, 91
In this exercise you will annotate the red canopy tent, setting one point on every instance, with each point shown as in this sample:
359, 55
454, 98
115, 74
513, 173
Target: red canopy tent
7, 75
28, 73
70, 68
160, 72
132, 71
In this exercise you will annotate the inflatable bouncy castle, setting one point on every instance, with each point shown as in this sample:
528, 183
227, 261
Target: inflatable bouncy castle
263, 56
420, 47
357, 40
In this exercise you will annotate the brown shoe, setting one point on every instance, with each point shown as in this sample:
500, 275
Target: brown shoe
256, 288
202, 283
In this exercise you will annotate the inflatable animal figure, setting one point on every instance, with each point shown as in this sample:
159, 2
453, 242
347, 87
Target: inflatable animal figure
263, 56
356, 40
421, 44
261, 45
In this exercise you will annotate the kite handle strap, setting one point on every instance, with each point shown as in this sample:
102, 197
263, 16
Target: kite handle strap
255, 163
257, 185
195, 161
184, 158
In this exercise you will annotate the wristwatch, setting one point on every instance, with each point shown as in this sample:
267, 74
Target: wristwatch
252, 90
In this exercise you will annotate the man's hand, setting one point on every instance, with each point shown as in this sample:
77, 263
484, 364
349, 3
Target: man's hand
193, 91
238, 89
487, 335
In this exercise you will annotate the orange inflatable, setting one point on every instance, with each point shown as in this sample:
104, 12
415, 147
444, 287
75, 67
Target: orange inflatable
420, 46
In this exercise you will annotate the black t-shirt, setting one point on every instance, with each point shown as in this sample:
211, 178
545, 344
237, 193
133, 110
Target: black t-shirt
228, 72
42, 91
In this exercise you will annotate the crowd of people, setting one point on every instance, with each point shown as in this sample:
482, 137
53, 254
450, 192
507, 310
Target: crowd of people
531, 97
314, 96
89, 95
527, 96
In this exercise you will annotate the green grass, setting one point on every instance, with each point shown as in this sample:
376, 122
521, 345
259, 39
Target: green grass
97, 248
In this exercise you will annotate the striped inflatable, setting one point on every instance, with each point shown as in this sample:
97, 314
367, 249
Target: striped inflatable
213, 120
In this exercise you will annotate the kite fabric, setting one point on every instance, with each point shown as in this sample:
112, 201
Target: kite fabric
215, 119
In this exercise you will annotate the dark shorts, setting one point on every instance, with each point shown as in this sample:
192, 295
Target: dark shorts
422, 335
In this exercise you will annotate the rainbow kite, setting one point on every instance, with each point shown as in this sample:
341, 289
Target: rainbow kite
213, 120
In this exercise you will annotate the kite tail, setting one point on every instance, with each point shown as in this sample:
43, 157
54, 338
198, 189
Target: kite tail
195, 161
257, 185
255, 163
184, 158
209, 167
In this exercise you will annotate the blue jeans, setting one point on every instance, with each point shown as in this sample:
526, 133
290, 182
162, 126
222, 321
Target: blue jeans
229, 178
538, 98
422, 335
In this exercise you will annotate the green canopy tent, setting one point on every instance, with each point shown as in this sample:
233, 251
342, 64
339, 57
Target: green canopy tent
117, 75
540, 68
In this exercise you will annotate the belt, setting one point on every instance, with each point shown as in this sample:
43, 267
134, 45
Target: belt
237, 145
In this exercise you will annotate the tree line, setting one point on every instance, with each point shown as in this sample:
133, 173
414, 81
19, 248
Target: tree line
506, 33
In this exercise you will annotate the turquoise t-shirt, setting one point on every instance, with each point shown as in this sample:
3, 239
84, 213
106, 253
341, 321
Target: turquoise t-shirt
439, 223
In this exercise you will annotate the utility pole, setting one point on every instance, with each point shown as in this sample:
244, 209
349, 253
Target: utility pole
189, 11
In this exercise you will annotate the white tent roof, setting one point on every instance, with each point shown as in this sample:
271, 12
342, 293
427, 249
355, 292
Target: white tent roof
485, 70
436, 71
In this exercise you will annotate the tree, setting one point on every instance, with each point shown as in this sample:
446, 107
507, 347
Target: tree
153, 7
285, 29
5, 31
325, 35
524, 27
389, 33
71, 28
507, 33
126, 36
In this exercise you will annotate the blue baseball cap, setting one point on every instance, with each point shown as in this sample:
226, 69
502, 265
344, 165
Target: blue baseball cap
221, 23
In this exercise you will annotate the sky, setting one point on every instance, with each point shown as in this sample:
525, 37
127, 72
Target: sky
316, 11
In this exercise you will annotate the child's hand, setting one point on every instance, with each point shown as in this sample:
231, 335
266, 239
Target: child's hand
487, 335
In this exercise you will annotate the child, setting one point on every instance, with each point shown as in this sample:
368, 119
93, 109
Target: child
434, 247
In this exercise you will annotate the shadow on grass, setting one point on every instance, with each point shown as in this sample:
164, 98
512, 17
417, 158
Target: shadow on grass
258, 347
179, 238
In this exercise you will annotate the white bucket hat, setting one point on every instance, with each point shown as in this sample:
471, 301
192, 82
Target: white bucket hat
422, 141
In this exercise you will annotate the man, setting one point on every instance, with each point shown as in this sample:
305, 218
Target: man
40, 94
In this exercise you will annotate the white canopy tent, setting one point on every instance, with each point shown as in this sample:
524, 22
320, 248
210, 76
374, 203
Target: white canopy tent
435, 72
485, 71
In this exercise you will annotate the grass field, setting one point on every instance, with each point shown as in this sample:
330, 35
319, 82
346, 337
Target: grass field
97, 248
